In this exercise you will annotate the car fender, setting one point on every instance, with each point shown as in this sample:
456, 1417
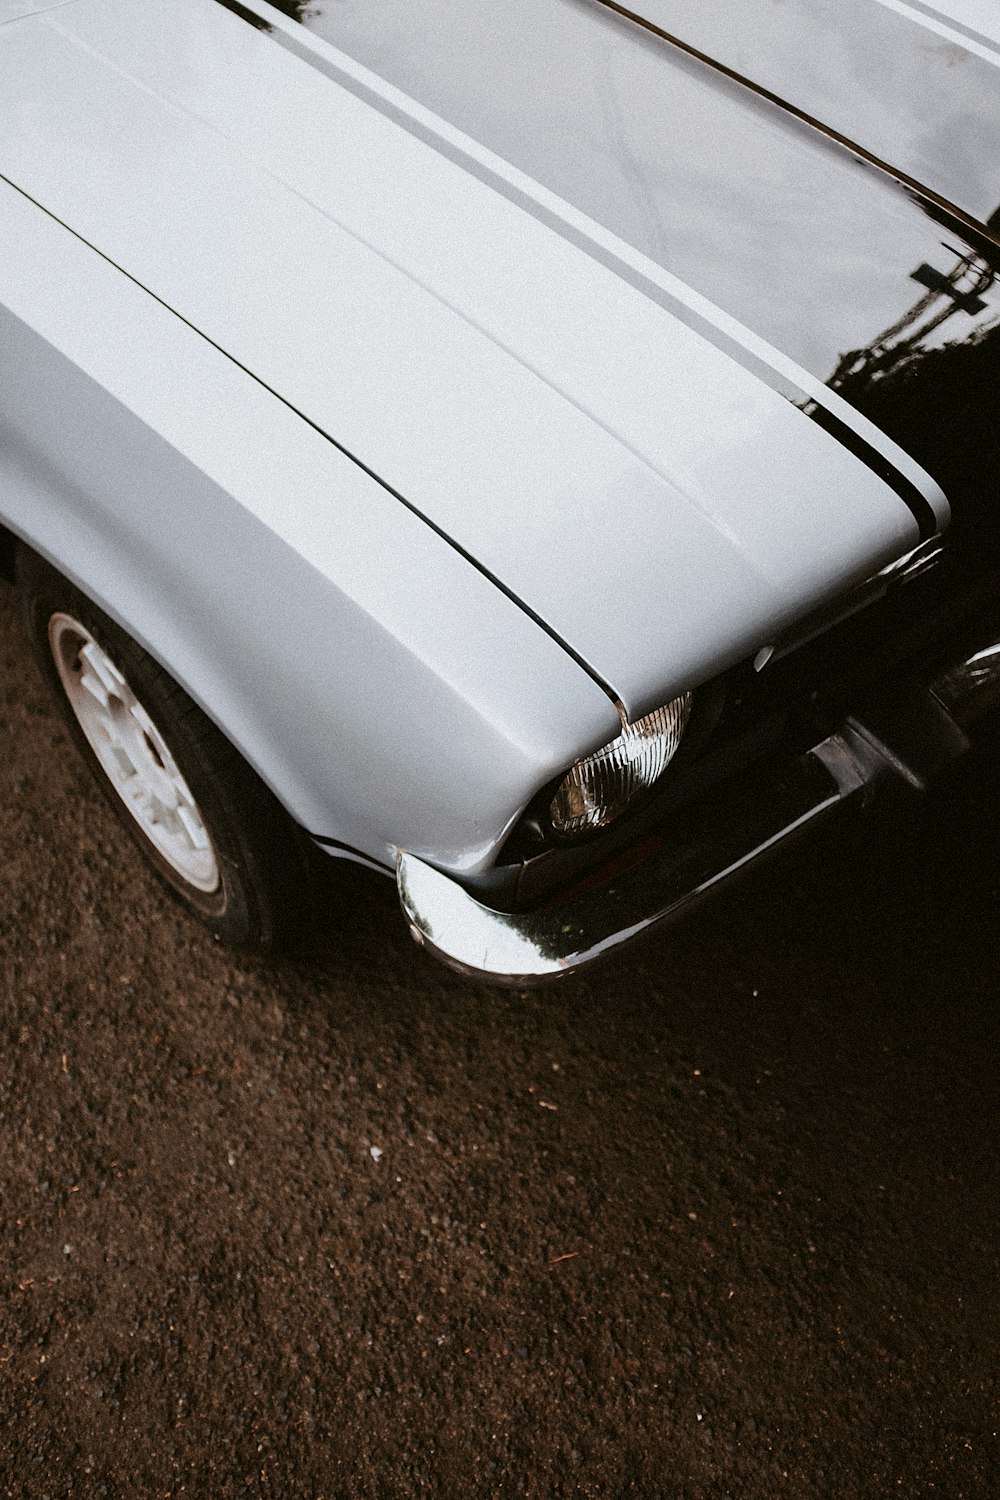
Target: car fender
386, 689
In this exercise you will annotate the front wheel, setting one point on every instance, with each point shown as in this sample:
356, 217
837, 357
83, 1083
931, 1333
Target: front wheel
204, 820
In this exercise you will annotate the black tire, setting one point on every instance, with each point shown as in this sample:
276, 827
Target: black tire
263, 865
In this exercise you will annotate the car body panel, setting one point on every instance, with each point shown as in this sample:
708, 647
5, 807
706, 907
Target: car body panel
975, 20
16, 10
569, 461
791, 240
325, 649
412, 457
747, 204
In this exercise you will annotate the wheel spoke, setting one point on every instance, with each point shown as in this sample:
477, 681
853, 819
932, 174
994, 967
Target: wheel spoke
119, 753
141, 798
193, 826
104, 668
90, 681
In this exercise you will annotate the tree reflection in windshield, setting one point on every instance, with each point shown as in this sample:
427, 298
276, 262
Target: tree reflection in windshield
932, 384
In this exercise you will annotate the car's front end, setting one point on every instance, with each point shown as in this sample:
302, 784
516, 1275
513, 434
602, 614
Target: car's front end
558, 504
886, 702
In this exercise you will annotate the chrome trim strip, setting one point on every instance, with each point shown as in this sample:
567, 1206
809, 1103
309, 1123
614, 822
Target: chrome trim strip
555, 940
972, 686
338, 849
972, 227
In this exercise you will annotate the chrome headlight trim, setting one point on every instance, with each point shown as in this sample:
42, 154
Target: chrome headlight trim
598, 788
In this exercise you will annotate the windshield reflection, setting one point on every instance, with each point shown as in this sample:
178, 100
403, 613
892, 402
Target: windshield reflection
931, 380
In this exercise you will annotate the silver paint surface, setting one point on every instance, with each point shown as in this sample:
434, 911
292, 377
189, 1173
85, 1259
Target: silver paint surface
292, 261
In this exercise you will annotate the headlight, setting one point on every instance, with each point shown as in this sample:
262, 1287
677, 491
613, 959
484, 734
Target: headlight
599, 788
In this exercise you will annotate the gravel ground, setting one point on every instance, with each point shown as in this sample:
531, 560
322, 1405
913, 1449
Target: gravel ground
718, 1220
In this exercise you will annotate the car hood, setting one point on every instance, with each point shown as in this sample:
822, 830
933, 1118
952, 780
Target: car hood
662, 487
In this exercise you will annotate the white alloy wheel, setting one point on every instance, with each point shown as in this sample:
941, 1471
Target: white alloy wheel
133, 753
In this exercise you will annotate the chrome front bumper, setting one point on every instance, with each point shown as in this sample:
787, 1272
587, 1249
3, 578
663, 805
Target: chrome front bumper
656, 880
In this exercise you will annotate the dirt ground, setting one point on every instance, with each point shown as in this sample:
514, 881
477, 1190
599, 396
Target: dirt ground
718, 1220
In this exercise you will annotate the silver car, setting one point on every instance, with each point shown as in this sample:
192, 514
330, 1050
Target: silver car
541, 449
